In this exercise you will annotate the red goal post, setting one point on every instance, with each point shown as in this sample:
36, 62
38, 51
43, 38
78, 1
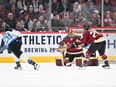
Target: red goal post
100, 29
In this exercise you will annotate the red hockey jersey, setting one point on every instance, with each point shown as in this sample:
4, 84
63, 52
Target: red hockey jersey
69, 41
91, 36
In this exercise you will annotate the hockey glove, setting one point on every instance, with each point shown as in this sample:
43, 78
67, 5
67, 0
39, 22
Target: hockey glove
85, 45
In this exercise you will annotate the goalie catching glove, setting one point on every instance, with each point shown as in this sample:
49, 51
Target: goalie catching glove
63, 47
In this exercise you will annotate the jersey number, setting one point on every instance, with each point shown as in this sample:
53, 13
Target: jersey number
7, 37
94, 33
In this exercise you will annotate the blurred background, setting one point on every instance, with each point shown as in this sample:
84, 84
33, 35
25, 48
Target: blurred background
57, 15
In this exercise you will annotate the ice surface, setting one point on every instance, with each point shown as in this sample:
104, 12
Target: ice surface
50, 75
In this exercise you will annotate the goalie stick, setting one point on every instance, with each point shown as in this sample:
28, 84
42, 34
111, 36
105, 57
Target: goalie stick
3, 48
63, 58
63, 53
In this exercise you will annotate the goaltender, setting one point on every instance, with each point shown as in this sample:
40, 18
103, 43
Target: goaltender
69, 46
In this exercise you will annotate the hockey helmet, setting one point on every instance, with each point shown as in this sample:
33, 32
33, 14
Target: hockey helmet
6, 27
86, 26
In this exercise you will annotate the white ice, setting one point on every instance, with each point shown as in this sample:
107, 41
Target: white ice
50, 75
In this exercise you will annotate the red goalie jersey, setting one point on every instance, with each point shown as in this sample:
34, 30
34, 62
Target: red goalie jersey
72, 46
71, 43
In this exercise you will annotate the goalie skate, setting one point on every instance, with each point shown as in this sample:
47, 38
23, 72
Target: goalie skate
69, 64
82, 67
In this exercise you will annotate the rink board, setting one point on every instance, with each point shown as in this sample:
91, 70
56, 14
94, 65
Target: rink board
41, 46
45, 59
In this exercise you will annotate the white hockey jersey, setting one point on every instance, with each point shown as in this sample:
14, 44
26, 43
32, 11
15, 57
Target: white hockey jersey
10, 36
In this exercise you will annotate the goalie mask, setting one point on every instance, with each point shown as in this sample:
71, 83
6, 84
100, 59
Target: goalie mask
6, 27
72, 33
86, 26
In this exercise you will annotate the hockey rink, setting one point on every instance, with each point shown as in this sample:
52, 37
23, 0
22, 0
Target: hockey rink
50, 75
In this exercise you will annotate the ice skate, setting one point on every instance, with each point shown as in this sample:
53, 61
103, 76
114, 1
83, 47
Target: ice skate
82, 66
69, 64
106, 65
18, 67
36, 67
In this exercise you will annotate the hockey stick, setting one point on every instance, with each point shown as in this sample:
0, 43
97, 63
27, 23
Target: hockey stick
63, 53
63, 58
3, 48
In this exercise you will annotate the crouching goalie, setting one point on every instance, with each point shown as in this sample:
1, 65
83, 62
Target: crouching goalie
12, 40
70, 44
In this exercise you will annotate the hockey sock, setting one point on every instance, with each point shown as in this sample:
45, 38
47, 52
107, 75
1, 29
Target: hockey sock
16, 59
104, 57
24, 57
18, 63
31, 62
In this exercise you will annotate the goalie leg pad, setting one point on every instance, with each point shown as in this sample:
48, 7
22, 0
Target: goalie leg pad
91, 62
78, 62
59, 62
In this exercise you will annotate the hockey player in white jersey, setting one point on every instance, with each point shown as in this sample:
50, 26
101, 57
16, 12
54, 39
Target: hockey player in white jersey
12, 40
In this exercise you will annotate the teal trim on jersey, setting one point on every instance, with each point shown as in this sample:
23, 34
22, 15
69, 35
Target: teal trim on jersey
11, 42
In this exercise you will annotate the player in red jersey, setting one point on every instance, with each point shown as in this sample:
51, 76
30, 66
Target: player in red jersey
97, 42
70, 45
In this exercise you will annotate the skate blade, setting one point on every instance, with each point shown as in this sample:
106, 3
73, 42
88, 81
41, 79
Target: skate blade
106, 67
81, 68
68, 65
18, 68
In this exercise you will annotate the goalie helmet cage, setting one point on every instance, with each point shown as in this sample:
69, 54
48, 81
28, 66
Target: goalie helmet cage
99, 29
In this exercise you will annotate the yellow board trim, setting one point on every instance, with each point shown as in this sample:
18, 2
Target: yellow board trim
35, 58
110, 58
44, 59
